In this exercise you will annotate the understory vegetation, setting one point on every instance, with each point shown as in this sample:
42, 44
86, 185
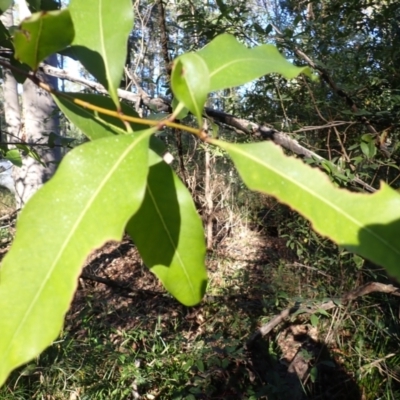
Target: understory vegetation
160, 149
125, 338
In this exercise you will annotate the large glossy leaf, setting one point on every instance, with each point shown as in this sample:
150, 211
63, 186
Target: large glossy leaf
169, 235
190, 83
230, 63
94, 126
365, 224
96, 190
41, 35
102, 28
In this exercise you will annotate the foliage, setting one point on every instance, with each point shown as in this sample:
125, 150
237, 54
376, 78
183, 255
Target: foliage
118, 181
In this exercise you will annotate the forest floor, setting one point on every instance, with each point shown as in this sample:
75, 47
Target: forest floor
126, 338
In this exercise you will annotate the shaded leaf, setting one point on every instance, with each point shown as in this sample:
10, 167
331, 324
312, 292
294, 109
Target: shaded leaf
102, 29
19, 77
190, 83
94, 126
5, 5
365, 224
314, 320
230, 63
41, 35
58, 228
55, 139
5, 37
43, 5
100, 126
169, 234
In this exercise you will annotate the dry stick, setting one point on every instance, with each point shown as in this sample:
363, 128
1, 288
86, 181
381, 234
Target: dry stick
340, 92
243, 125
277, 137
327, 305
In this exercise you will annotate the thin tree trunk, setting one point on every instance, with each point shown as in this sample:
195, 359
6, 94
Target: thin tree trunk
12, 111
40, 118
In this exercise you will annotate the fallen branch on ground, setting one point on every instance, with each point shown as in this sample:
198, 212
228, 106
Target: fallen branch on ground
326, 305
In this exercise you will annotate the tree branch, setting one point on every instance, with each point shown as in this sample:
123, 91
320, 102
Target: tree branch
245, 126
327, 305
326, 77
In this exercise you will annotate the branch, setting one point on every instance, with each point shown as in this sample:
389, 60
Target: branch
280, 138
326, 77
327, 305
247, 127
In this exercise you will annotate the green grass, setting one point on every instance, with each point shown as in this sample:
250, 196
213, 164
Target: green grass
152, 347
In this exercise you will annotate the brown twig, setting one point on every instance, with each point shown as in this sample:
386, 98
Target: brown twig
364, 290
243, 125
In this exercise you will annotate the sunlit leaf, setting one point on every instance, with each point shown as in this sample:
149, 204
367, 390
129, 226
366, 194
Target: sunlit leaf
102, 28
14, 156
169, 234
190, 83
41, 35
365, 224
97, 188
231, 63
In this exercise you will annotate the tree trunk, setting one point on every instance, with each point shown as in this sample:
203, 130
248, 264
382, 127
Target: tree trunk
40, 118
12, 112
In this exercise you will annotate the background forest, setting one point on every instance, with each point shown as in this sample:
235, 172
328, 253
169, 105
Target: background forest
334, 317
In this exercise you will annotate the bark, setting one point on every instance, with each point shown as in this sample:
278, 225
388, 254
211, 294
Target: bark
12, 112
240, 125
40, 119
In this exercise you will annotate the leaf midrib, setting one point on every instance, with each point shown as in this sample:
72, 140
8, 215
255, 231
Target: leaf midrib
159, 213
68, 238
316, 195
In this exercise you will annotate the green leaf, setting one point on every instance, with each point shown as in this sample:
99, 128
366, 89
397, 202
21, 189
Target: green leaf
314, 320
182, 113
169, 235
94, 125
314, 374
102, 28
31, 152
55, 139
230, 63
321, 311
5, 5
96, 189
5, 37
362, 223
41, 35
19, 77
14, 156
190, 83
